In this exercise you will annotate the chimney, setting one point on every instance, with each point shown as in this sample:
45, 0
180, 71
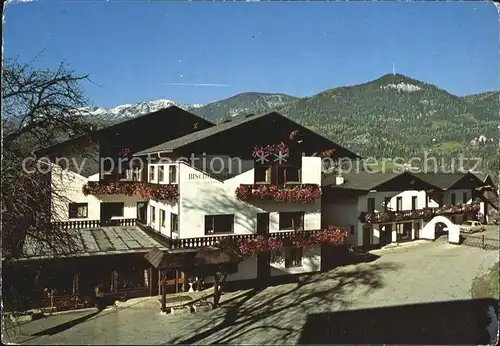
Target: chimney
339, 180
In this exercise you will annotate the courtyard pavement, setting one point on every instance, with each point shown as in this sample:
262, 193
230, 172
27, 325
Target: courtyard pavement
430, 272
492, 232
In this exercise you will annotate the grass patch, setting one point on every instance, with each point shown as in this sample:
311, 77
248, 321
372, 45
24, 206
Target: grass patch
487, 286
449, 147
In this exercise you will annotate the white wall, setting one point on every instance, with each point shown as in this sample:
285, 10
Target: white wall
169, 208
447, 197
69, 185
345, 211
247, 270
311, 262
67, 188
202, 195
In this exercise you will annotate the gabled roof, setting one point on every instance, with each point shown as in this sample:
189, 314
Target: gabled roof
367, 181
227, 126
362, 180
199, 135
485, 178
94, 135
442, 180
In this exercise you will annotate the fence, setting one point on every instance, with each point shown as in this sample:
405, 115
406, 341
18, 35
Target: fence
93, 223
480, 242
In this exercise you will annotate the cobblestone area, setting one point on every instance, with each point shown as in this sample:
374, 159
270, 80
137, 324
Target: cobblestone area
428, 272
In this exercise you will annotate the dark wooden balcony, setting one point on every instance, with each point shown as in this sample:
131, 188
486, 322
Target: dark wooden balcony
332, 235
290, 192
417, 214
132, 188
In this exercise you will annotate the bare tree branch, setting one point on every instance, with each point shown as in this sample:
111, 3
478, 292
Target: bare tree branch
39, 109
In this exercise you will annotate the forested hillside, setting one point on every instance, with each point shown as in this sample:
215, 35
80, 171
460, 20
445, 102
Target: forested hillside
396, 116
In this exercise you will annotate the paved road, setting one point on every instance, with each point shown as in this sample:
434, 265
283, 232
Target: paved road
492, 232
430, 272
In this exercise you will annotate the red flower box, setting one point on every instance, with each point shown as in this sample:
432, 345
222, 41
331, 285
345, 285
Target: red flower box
304, 193
327, 153
124, 152
253, 246
271, 149
425, 213
146, 190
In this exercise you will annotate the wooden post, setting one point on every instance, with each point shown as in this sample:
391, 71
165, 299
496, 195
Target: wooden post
219, 278
216, 290
159, 282
176, 281
163, 293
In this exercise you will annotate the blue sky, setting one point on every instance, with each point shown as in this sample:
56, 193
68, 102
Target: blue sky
142, 50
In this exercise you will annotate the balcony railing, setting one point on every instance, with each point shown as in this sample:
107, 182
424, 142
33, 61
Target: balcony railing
425, 213
252, 244
145, 190
291, 193
245, 244
83, 224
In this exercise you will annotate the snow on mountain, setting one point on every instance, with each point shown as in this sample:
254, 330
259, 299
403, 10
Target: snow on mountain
402, 87
133, 110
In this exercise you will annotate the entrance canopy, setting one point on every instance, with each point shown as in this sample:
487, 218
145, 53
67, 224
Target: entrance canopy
188, 258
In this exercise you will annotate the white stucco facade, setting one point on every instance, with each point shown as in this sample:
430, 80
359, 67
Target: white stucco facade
345, 211
202, 194
67, 188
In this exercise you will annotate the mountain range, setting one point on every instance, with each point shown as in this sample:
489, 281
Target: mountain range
392, 116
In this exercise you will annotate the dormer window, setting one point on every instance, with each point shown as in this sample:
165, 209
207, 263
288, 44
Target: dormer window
161, 173
151, 173
262, 174
288, 175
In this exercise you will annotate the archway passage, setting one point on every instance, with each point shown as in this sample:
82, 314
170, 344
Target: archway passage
429, 230
439, 230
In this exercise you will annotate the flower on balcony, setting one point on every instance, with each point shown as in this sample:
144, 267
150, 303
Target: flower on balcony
293, 135
332, 236
458, 209
145, 190
124, 152
292, 194
425, 213
327, 153
253, 246
281, 150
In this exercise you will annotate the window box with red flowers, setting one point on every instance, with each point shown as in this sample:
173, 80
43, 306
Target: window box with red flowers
458, 209
425, 213
263, 151
125, 152
300, 193
327, 153
145, 190
253, 246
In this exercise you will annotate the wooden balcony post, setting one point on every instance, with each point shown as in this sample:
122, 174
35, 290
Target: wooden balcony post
163, 292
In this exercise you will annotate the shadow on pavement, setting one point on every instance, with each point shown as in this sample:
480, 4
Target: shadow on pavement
243, 317
66, 325
457, 322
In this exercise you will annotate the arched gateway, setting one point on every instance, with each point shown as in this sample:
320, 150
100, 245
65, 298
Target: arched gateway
429, 230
